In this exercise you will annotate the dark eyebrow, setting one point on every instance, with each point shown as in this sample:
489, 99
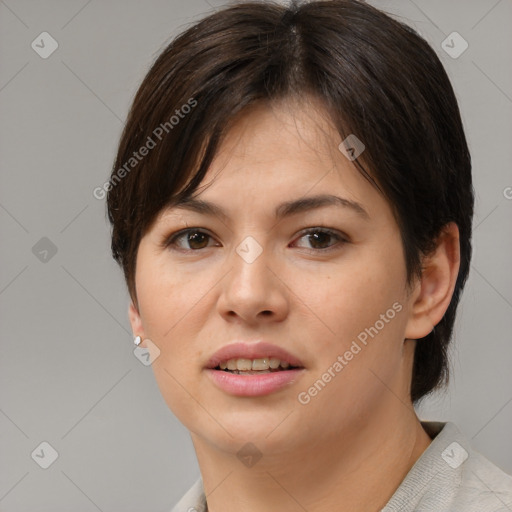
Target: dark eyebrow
313, 202
285, 209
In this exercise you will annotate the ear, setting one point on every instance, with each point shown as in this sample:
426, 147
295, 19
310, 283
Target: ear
432, 294
136, 323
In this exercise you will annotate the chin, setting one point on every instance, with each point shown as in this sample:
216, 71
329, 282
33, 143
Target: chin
264, 429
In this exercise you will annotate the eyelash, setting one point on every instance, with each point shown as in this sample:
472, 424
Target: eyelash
341, 240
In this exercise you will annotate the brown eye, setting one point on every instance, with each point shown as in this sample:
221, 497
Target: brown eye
194, 238
319, 239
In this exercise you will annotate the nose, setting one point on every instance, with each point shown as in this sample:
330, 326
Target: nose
253, 291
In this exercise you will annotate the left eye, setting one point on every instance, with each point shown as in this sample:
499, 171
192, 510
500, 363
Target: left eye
320, 237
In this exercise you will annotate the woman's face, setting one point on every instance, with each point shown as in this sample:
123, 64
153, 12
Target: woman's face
327, 284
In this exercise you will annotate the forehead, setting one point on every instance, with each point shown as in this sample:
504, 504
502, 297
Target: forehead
278, 160
287, 130
283, 149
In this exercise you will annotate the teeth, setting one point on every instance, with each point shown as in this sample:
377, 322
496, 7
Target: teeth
244, 364
274, 363
260, 364
263, 364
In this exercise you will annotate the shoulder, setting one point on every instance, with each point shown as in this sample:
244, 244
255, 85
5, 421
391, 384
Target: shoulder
483, 485
193, 500
451, 476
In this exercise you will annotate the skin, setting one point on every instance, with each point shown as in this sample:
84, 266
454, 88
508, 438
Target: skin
350, 447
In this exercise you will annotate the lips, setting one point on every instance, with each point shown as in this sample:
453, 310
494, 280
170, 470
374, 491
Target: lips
251, 351
250, 383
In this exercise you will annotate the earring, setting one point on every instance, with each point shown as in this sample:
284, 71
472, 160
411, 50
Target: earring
137, 340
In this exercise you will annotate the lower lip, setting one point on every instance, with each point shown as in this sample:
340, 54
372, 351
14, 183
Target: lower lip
253, 385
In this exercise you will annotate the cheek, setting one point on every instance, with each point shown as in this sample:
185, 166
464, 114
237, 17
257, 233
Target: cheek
165, 294
351, 298
174, 306
369, 318
170, 306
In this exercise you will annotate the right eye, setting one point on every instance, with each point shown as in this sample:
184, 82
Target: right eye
194, 237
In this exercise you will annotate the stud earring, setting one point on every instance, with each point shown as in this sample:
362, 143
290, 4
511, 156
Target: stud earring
137, 340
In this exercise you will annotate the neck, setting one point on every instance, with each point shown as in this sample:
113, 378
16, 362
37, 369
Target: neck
357, 470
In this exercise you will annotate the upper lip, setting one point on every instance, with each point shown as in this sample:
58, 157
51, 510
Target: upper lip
258, 350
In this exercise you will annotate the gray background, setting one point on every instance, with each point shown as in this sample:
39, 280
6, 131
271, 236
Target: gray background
68, 373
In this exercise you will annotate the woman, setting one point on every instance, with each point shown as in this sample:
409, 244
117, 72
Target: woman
291, 205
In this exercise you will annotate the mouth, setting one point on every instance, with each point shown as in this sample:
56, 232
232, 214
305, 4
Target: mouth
253, 369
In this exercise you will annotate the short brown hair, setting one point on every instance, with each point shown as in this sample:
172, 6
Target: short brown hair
377, 78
